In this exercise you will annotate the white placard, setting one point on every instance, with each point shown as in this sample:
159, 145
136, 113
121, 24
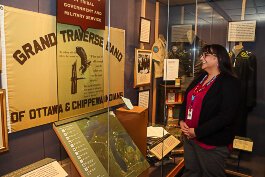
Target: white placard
171, 69
52, 169
179, 33
156, 132
145, 28
127, 102
242, 31
143, 99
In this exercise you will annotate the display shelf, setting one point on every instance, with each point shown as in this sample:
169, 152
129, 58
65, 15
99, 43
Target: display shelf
170, 86
175, 103
170, 97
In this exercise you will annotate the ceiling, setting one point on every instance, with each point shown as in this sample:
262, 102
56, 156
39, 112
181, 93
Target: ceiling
225, 9
179, 2
255, 9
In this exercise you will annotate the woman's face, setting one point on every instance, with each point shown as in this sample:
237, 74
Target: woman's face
209, 61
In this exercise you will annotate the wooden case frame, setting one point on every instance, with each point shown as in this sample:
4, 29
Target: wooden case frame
3, 122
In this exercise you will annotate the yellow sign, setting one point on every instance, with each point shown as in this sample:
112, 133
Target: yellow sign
85, 74
30, 68
242, 143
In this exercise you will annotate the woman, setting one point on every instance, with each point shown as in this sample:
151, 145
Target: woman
208, 114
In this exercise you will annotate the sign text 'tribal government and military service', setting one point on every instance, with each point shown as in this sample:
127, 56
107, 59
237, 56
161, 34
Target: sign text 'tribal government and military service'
83, 13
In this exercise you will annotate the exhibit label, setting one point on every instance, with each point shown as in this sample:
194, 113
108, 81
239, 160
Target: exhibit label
243, 31
83, 13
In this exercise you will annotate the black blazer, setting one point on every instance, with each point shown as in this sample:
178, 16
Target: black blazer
218, 112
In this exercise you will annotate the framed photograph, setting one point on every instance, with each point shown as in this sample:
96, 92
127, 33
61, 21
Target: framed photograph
142, 67
3, 123
171, 97
145, 30
143, 100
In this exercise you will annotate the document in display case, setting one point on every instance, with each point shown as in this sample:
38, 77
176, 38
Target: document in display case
85, 138
164, 145
45, 167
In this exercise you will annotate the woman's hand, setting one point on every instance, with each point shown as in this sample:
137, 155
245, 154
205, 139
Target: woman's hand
191, 133
184, 127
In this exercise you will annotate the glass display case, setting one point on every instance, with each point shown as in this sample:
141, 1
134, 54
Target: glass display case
63, 69
98, 145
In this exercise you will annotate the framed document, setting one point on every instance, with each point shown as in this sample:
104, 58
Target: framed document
242, 31
3, 123
145, 30
142, 67
171, 69
143, 100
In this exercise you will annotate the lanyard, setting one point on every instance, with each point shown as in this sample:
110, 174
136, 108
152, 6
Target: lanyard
199, 88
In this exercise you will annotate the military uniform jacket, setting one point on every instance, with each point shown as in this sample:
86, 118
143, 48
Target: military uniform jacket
245, 67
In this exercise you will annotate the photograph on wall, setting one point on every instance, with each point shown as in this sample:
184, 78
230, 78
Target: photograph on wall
143, 65
3, 124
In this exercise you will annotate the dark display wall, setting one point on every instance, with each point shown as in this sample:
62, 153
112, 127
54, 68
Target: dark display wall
256, 118
31, 145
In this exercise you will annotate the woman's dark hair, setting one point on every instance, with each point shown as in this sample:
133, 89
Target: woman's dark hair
220, 52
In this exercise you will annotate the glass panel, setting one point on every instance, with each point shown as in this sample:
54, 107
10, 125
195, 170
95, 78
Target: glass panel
211, 23
182, 43
98, 149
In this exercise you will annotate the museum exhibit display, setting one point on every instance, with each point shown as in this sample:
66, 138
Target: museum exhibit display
99, 144
100, 88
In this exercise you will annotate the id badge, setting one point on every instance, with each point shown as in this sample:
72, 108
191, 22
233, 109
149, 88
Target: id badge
189, 114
